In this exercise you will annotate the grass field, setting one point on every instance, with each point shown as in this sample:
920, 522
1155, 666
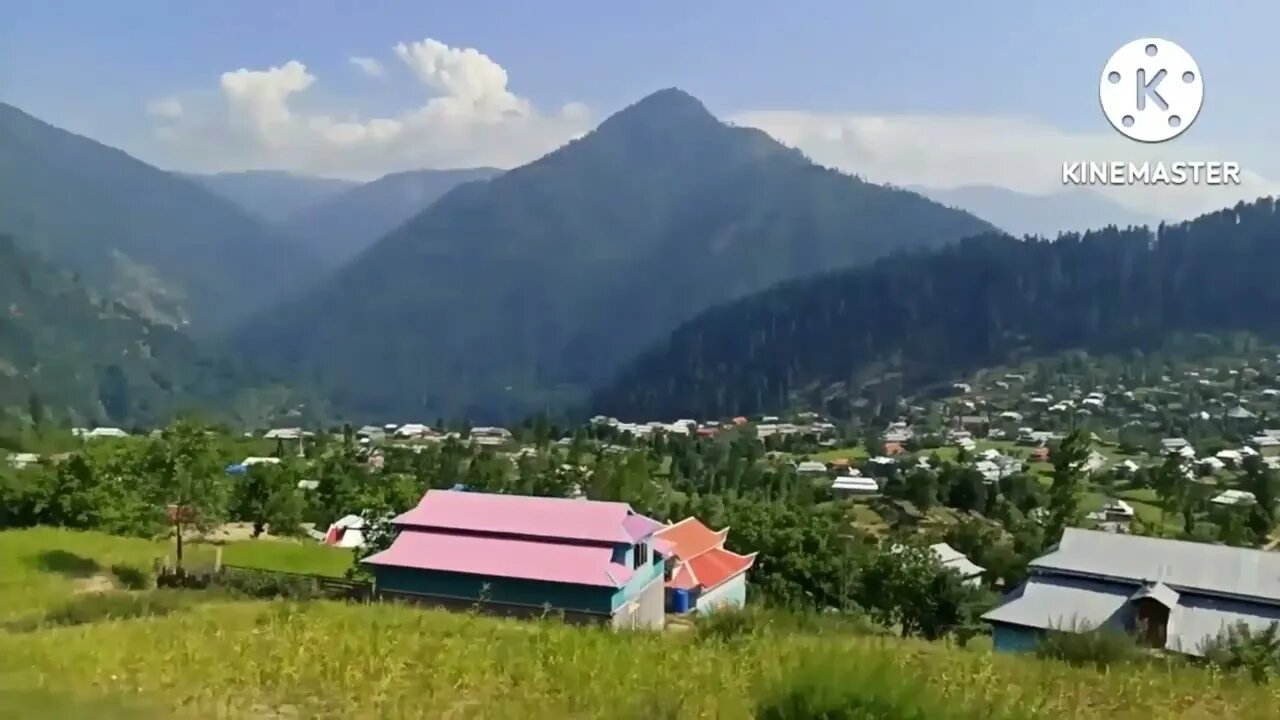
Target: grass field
40, 567
280, 660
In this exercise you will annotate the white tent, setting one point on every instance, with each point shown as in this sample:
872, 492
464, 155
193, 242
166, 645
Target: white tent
346, 532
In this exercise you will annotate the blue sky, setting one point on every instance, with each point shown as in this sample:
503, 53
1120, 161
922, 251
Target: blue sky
93, 67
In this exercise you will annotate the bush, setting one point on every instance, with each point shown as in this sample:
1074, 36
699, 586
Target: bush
1081, 645
1241, 648
133, 577
268, 585
828, 689
755, 621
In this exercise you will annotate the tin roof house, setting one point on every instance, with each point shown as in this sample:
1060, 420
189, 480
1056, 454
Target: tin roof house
1172, 594
702, 574
593, 562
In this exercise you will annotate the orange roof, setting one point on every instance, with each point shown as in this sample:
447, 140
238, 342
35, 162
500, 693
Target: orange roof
892, 448
715, 567
689, 538
740, 420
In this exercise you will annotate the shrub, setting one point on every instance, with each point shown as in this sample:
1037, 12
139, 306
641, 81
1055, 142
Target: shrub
825, 688
132, 577
1082, 645
1241, 648
756, 621
268, 585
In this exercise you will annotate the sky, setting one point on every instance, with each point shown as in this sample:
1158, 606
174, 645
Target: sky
940, 94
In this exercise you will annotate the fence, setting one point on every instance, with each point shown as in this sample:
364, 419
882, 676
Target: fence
259, 581
323, 585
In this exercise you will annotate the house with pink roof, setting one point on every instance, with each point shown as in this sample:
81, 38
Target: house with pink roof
592, 562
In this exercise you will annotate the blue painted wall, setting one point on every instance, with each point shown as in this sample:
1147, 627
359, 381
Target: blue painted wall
534, 593
641, 579
730, 594
1013, 638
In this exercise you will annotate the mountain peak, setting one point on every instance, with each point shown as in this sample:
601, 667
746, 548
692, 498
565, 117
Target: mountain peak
666, 108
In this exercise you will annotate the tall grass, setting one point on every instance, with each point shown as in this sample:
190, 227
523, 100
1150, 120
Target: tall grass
385, 661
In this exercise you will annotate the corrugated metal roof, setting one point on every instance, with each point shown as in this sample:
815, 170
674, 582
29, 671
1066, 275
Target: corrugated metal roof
1062, 603
1199, 619
524, 515
1159, 592
501, 557
1200, 567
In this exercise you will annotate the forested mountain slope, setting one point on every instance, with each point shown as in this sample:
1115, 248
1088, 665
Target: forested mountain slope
929, 316
85, 360
344, 224
162, 243
518, 294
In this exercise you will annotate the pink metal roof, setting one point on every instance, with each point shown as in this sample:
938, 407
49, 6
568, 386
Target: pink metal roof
502, 557
559, 518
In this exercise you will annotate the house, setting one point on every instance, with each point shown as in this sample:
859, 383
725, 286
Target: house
284, 434
1232, 498
811, 467
490, 436
18, 461
1040, 454
99, 433
853, 484
701, 574
1173, 445
1171, 594
413, 430
892, 448
956, 561
594, 562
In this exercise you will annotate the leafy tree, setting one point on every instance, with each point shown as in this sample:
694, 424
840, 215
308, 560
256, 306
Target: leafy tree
1260, 480
268, 496
193, 482
1064, 494
1240, 647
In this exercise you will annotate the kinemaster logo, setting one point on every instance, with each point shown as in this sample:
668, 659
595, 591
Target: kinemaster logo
1151, 91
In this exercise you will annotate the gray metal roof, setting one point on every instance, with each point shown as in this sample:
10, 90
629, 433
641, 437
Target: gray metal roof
1159, 592
1184, 566
1067, 603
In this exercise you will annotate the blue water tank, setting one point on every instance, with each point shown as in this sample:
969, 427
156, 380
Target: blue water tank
680, 601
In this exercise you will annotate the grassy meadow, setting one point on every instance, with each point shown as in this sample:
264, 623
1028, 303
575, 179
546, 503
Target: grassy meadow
274, 659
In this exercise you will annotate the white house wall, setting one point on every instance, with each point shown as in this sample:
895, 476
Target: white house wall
732, 593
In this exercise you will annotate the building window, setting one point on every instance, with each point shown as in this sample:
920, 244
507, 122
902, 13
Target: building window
641, 556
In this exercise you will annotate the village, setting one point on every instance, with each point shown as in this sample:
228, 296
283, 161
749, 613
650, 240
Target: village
626, 523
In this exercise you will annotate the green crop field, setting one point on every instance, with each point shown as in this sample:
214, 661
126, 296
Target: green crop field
226, 659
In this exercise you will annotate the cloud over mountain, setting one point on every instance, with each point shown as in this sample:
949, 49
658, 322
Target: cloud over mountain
264, 118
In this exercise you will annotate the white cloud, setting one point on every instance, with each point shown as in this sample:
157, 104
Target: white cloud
170, 107
367, 65
468, 116
1016, 153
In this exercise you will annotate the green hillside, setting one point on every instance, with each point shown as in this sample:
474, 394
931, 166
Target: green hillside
520, 293
84, 359
167, 246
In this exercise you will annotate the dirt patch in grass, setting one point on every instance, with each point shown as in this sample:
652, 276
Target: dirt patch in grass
93, 584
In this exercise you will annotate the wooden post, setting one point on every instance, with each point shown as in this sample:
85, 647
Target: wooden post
217, 559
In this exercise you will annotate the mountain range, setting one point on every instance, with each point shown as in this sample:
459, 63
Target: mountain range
273, 195
1044, 216
342, 225
912, 320
520, 293
86, 359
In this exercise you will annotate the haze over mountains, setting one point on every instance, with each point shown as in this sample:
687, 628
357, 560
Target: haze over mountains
1042, 215
520, 293
273, 195
342, 225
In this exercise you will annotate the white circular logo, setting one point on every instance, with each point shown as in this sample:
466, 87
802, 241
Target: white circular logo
1151, 90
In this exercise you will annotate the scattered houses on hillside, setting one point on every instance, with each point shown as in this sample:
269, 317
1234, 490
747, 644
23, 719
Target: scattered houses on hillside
701, 574
957, 562
513, 554
1171, 594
